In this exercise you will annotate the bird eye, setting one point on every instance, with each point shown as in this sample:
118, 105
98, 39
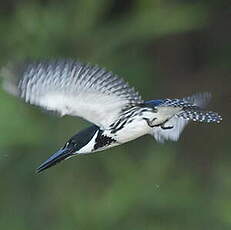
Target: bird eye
66, 145
70, 143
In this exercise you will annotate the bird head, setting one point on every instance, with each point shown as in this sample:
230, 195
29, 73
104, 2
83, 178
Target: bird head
71, 148
67, 151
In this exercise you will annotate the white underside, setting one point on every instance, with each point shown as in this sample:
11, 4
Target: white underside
133, 130
139, 127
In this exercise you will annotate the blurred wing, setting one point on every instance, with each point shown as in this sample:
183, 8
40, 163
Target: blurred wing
71, 88
173, 134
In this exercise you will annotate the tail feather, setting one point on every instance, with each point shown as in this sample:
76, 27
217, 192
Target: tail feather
195, 112
200, 115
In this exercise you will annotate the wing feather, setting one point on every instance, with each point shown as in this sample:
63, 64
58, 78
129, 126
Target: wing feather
73, 88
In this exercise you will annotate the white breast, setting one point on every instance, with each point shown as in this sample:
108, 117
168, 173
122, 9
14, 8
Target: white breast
133, 130
139, 127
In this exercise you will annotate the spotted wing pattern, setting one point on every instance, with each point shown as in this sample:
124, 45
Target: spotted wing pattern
71, 88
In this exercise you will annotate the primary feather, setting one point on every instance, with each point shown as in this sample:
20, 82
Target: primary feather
72, 88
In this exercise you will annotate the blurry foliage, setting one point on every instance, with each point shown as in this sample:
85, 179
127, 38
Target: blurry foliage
164, 48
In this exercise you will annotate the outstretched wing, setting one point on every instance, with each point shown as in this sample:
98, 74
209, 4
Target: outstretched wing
71, 88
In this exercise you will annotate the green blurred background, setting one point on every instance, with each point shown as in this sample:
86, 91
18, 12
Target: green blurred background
165, 49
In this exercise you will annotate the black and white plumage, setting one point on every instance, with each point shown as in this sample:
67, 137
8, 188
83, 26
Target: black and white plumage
116, 110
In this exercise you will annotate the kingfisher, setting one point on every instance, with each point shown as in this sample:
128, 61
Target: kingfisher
117, 112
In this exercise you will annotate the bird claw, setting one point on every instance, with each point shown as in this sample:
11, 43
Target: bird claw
166, 127
150, 122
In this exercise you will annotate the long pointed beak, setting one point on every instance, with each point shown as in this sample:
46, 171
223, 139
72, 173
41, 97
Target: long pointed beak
62, 154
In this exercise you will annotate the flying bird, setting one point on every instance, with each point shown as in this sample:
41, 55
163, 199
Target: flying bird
117, 112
